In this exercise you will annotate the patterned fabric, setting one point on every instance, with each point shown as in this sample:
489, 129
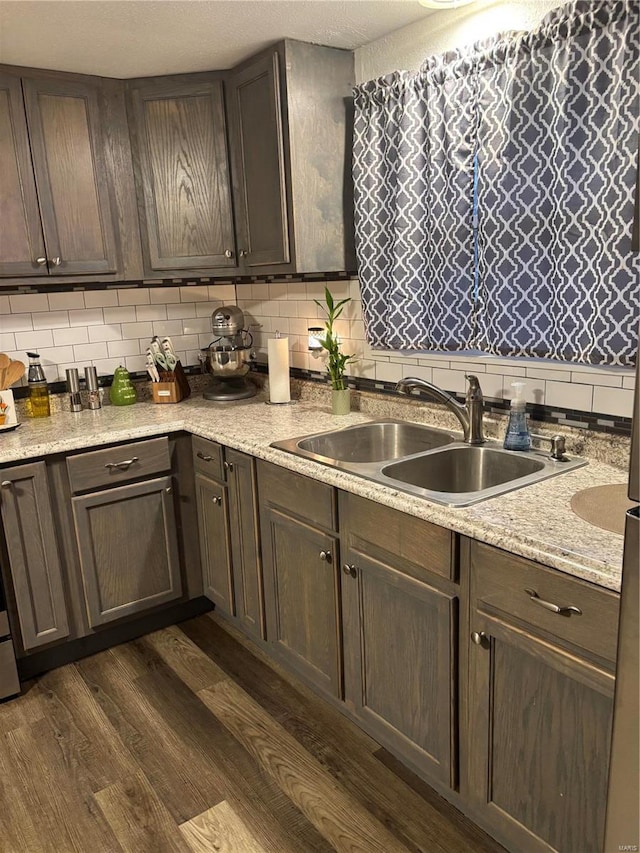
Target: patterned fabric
551, 120
413, 176
557, 142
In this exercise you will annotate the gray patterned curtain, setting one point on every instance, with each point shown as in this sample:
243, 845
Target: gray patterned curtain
547, 122
413, 177
557, 141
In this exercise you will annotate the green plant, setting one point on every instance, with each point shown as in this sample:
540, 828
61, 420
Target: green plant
337, 361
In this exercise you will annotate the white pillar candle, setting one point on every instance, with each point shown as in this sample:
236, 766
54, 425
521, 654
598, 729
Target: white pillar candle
278, 355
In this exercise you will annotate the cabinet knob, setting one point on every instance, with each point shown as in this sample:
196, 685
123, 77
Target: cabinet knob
243, 253
325, 556
350, 570
6, 484
228, 253
56, 261
168, 490
217, 500
228, 466
41, 261
479, 638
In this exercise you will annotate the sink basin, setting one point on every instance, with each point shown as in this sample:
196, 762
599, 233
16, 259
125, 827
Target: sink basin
374, 442
426, 462
463, 469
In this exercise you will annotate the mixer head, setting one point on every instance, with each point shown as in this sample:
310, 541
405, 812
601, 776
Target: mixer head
227, 321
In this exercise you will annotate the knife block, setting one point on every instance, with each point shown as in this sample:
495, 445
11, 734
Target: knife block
173, 386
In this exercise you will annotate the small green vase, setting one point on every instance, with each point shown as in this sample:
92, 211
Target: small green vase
341, 401
122, 392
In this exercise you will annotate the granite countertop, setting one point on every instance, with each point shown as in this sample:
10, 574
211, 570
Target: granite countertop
535, 522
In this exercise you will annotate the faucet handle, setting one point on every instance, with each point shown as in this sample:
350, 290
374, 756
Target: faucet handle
474, 391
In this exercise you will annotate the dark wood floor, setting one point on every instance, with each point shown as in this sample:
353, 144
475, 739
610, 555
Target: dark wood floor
185, 741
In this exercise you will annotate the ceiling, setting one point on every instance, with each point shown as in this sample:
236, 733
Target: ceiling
135, 38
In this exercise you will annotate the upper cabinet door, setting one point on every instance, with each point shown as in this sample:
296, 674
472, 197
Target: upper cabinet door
21, 242
257, 141
182, 161
66, 147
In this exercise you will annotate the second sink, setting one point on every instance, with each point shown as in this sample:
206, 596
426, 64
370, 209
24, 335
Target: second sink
463, 469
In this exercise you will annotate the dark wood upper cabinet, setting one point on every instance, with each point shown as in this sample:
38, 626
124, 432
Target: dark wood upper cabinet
56, 201
21, 239
290, 129
181, 159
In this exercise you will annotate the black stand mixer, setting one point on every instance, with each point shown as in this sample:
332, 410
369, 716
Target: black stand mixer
227, 356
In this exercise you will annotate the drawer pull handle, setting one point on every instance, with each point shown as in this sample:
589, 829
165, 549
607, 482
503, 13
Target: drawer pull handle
549, 605
350, 570
121, 466
204, 458
6, 484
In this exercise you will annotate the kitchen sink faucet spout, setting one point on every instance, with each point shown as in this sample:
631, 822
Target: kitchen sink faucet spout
469, 414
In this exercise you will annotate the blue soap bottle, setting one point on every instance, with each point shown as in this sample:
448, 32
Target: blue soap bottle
517, 436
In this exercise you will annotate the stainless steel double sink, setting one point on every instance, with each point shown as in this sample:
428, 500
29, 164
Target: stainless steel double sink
426, 461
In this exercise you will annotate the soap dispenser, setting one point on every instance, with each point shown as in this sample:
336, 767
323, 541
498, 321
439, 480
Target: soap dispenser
518, 436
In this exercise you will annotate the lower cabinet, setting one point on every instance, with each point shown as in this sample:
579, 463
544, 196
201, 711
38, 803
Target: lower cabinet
34, 563
301, 575
226, 499
128, 549
540, 691
400, 640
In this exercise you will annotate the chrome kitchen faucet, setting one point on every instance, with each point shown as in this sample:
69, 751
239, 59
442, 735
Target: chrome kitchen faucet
469, 414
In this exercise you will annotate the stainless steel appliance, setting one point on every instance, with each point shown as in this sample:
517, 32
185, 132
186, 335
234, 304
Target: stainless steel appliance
9, 683
227, 357
622, 830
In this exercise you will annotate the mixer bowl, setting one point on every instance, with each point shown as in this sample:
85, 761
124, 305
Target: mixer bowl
225, 363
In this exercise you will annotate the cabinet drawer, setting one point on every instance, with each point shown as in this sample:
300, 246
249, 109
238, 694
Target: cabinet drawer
208, 457
500, 581
373, 527
301, 496
100, 468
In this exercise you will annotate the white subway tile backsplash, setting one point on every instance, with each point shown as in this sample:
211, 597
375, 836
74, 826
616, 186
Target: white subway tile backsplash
101, 298
106, 366
5, 307
164, 328
629, 382
416, 371
450, 380
569, 395
56, 355
225, 293
64, 301
613, 401
612, 380
137, 330
183, 342
496, 386
206, 309
29, 302
124, 314
182, 311
88, 352
16, 323
504, 369
260, 292
7, 342
164, 295
105, 333
388, 372
86, 317
50, 319
117, 349
134, 296
75, 335
195, 293
34, 340
135, 363
151, 312
555, 375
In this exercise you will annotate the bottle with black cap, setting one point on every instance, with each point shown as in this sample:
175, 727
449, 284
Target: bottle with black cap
38, 399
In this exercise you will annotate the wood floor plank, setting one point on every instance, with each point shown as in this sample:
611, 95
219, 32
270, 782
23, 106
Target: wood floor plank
63, 812
185, 783
335, 814
17, 829
138, 819
259, 802
89, 745
221, 830
327, 735
183, 656
24, 710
